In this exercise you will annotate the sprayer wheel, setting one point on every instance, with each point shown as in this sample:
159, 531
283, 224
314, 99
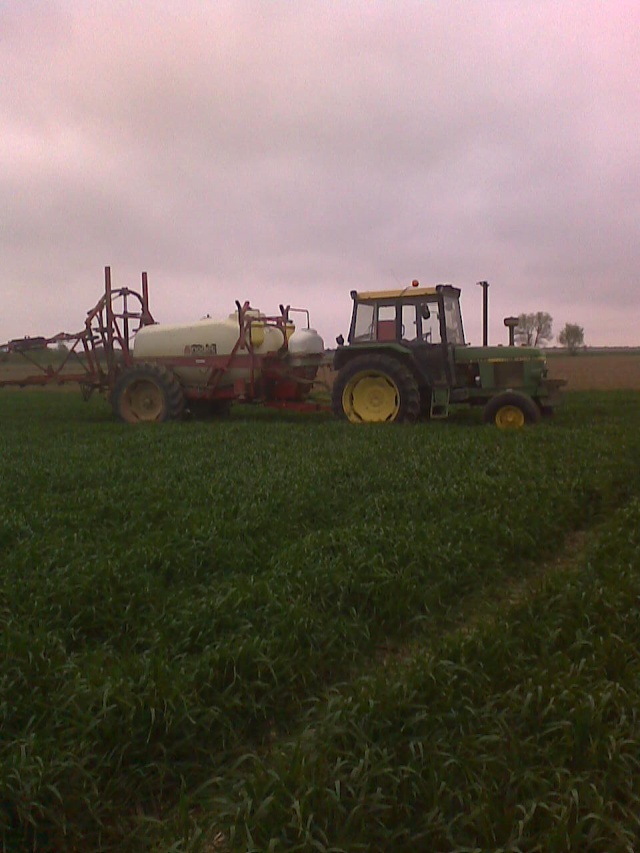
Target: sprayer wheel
147, 393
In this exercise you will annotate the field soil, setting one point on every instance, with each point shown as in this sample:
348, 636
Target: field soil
598, 372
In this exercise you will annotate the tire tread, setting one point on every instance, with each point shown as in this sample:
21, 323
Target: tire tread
174, 396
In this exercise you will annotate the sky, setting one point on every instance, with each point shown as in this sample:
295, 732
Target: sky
289, 152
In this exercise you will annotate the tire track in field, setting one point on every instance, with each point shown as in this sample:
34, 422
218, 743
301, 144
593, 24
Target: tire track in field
478, 610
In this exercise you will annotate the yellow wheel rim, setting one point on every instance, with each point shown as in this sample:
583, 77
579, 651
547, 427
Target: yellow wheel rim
143, 401
371, 397
509, 417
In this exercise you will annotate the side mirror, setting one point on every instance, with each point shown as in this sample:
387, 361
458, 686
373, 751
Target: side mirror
340, 341
425, 313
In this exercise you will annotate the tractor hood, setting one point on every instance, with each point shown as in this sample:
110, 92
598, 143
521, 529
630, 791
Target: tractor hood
475, 354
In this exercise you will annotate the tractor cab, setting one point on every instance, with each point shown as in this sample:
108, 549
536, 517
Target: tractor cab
414, 315
406, 356
400, 359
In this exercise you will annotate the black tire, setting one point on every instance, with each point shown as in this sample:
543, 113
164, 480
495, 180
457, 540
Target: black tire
147, 393
511, 410
396, 385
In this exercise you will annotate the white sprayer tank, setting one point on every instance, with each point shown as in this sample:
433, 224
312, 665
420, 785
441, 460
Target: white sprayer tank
218, 337
303, 343
201, 339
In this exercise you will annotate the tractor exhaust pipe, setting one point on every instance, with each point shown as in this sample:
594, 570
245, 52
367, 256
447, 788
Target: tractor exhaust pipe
485, 312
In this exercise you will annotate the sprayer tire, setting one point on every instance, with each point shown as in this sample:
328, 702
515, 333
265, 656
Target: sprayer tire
147, 393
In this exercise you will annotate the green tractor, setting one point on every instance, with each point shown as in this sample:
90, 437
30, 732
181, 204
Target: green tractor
406, 357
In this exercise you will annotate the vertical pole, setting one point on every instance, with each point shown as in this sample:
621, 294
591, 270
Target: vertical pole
109, 317
485, 312
125, 323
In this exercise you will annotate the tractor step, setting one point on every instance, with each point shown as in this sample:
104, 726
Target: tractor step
439, 402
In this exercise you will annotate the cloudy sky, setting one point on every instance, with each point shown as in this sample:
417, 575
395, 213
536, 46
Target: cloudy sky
293, 150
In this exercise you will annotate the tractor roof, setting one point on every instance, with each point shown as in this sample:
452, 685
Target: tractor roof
375, 295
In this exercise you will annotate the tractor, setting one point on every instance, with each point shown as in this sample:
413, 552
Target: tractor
406, 357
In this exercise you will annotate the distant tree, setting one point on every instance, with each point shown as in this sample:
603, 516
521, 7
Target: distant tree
534, 329
62, 347
572, 337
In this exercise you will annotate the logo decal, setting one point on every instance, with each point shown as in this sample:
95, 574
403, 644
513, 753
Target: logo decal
201, 349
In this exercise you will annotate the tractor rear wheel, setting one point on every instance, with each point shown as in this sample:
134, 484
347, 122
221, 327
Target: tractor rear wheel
511, 410
375, 389
147, 393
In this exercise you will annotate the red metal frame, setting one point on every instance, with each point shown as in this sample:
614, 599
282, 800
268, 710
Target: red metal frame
97, 351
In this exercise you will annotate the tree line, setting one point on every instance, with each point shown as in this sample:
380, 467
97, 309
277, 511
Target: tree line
536, 329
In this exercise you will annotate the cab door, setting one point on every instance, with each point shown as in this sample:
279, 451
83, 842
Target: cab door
425, 333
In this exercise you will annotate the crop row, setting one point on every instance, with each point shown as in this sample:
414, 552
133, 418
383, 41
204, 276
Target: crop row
520, 736
174, 598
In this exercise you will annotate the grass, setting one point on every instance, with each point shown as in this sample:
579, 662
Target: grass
251, 628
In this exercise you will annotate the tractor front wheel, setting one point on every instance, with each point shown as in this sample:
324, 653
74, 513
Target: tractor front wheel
147, 393
511, 410
375, 389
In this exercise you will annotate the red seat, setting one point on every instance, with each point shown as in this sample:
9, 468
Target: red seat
386, 330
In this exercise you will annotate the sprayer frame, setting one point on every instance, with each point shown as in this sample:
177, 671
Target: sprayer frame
103, 349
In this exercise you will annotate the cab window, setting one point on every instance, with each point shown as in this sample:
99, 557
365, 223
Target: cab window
430, 323
409, 323
453, 321
364, 326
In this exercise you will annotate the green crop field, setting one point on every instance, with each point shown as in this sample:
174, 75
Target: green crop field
286, 633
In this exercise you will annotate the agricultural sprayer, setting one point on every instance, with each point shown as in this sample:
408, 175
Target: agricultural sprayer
405, 357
